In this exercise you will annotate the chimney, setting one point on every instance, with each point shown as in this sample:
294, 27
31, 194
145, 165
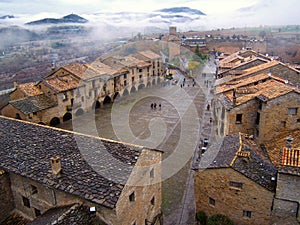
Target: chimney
55, 165
289, 141
15, 84
234, 97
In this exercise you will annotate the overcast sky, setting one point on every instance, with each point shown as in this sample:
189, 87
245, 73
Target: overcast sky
254, 12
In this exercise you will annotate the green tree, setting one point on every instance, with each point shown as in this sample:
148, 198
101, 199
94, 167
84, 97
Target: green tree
219, 219
201, 217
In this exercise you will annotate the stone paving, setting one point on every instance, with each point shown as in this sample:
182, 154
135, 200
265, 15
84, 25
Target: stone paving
176, 128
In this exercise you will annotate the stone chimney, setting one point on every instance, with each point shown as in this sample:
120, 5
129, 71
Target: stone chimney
15, 84
289, 141
55, 165
234, 97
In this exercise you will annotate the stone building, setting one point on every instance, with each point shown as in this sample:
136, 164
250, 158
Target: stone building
118, 182
261, 105
74, 89
236, 180
37, 109
284, 152
138, 76
243, 58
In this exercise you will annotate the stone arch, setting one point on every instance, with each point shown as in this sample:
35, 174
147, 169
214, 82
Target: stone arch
107, 100
96, 105
116, 95
158, 80
67, 116
141, 86
149, 84
133, 89
125, 92
54, 121
79, 112
153, 82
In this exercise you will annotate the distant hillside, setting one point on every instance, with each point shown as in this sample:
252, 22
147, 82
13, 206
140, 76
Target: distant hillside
181, 10
7, 17
72, 18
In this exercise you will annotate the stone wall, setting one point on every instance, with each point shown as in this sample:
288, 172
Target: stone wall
287, 195
145, 185
213, 194
248, 111
45, 198
6, 197
274, 117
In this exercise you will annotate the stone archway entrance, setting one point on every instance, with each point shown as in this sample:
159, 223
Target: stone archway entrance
54, 121
107, 100
67, 116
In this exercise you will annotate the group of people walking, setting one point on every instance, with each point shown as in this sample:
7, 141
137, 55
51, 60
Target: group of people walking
154, 105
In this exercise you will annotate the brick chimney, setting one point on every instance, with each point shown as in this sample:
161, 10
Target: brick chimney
55, 165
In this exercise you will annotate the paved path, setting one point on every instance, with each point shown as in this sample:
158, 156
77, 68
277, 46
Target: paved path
179, 124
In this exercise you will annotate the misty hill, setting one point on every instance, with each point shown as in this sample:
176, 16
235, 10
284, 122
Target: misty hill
181, 10
72, 18
12, 35
7, 17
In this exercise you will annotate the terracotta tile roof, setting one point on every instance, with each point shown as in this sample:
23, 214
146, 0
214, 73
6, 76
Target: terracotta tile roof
266, 91
33, 104
234, 84
261, 67
149, 54
275, 146
76, 69
290, 157
130, 61
29, 89
23, 153
233, 68
62, 83
242, 154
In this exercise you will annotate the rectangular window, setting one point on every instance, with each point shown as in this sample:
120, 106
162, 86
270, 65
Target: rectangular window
34, 189
283, 123
141, 76
152, 173
37, 212
35, 113
212, 201
257, 118
132, 197
125, 76
125, 82
239, 118
140, 70
26, 202
246, 213
132, 79
236, 184
292, 111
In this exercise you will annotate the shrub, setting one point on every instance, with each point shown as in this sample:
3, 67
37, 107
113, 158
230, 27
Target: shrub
219, 219
201, 217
